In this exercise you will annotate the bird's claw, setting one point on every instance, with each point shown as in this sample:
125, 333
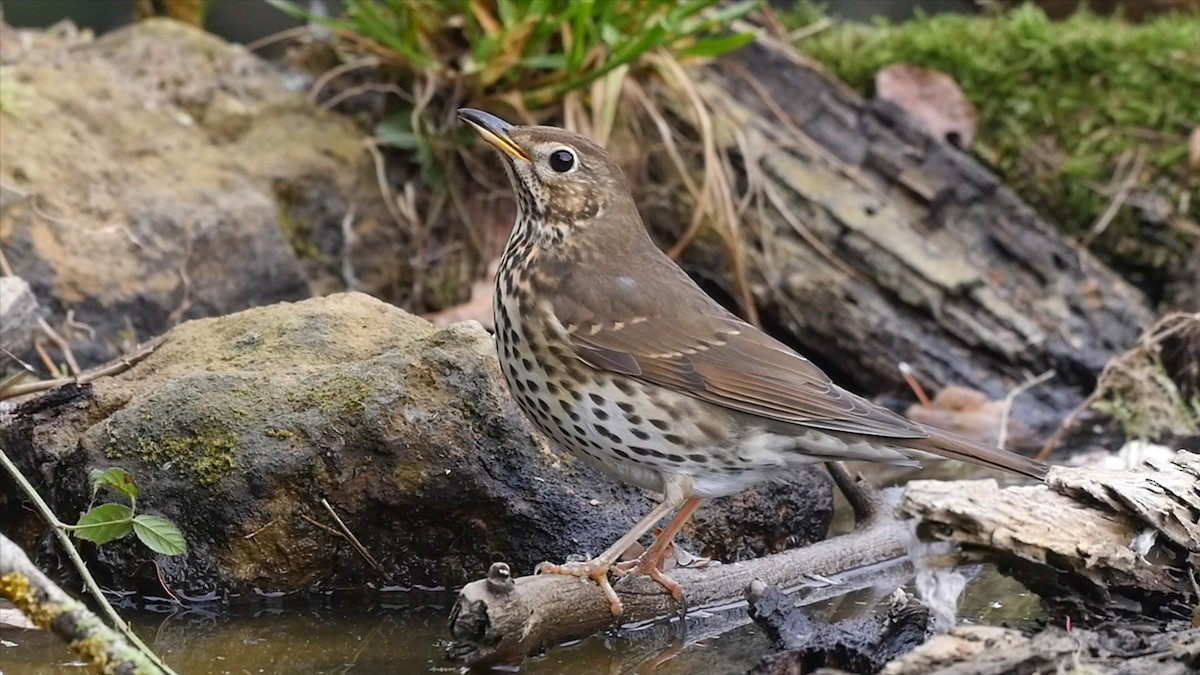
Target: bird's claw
596, 570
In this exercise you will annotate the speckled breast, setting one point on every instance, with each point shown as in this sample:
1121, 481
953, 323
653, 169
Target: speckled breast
627, 429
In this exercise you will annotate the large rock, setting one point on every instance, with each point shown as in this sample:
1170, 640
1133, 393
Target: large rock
238, 427
159, 174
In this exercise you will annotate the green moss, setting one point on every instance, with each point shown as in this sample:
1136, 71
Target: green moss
298, 235
1064, 107
279, 434
207, 455
345, 393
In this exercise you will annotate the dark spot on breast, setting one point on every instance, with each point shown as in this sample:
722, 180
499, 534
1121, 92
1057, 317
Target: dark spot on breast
533, 386
544, 405
640, 435
597, 399
698, 458
600, 414
639, 450
580, 431
527, 363
661, 425
675, 459
674, 439
625, 406
552, 388
624, 385
634, 419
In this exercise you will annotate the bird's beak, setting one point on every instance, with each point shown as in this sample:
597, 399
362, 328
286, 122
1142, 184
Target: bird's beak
493, 130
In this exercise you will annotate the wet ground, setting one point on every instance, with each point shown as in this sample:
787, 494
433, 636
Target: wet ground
406, 633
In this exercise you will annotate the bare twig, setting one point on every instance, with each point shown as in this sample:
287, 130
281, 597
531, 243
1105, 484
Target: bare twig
62, 343
362, 550
256, 532
113, 369
51, 608
328, 76
1119, 198
906, 371
1002, 435
323, 526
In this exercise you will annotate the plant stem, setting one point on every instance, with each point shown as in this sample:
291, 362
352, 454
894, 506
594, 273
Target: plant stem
60, 530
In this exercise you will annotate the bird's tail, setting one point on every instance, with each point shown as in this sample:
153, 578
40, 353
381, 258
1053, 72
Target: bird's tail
953, 446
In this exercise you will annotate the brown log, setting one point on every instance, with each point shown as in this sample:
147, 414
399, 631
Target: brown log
878, 244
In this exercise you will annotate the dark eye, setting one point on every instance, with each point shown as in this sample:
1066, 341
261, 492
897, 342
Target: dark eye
562, 160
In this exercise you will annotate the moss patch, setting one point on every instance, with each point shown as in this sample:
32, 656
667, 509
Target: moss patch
345, 392
1065, 109
207, 455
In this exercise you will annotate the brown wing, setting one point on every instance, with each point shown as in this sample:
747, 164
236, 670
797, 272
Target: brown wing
687, 342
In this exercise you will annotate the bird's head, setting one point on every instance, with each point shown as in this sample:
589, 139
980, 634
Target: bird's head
560, 178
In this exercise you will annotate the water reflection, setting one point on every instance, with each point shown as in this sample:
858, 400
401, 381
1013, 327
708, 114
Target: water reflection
406, 633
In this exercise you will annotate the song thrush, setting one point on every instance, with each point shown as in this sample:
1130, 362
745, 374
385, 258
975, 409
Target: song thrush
617, 356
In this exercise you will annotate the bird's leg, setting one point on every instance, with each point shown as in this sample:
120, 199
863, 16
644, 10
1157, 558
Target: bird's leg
650, 563
676, 491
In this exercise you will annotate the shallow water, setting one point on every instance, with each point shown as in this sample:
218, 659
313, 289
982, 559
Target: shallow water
407, 633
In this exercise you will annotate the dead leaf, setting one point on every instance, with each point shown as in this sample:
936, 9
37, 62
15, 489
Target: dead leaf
932, 98
969, 412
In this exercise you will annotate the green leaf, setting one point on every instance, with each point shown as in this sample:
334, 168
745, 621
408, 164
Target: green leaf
716, 46
105, 523
397, 131
730, 13
159, 534
115, 478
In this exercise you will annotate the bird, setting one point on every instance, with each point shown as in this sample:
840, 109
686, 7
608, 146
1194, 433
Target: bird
618, 357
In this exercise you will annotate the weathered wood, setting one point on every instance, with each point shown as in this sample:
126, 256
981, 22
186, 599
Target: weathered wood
1093, 542
991, 649
500, 623
877, 244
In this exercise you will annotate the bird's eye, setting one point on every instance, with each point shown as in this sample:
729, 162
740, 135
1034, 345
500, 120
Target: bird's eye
562, 160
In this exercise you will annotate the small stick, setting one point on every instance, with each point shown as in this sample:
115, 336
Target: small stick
1002, 435
362, 550
256, 532
323, 526
63, 345
907, 372
115, 369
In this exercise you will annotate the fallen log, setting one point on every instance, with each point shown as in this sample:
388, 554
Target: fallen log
501, 621
1093, 543
867, 242
1137, 650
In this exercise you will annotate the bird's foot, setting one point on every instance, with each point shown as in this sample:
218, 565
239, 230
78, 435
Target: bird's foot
652, 562
595, 569
652, 568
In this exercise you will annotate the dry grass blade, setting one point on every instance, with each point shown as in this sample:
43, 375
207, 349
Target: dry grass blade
1140, 371
717, 191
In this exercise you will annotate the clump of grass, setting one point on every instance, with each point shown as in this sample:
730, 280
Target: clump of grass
526, 54
569, 62
1081, 116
